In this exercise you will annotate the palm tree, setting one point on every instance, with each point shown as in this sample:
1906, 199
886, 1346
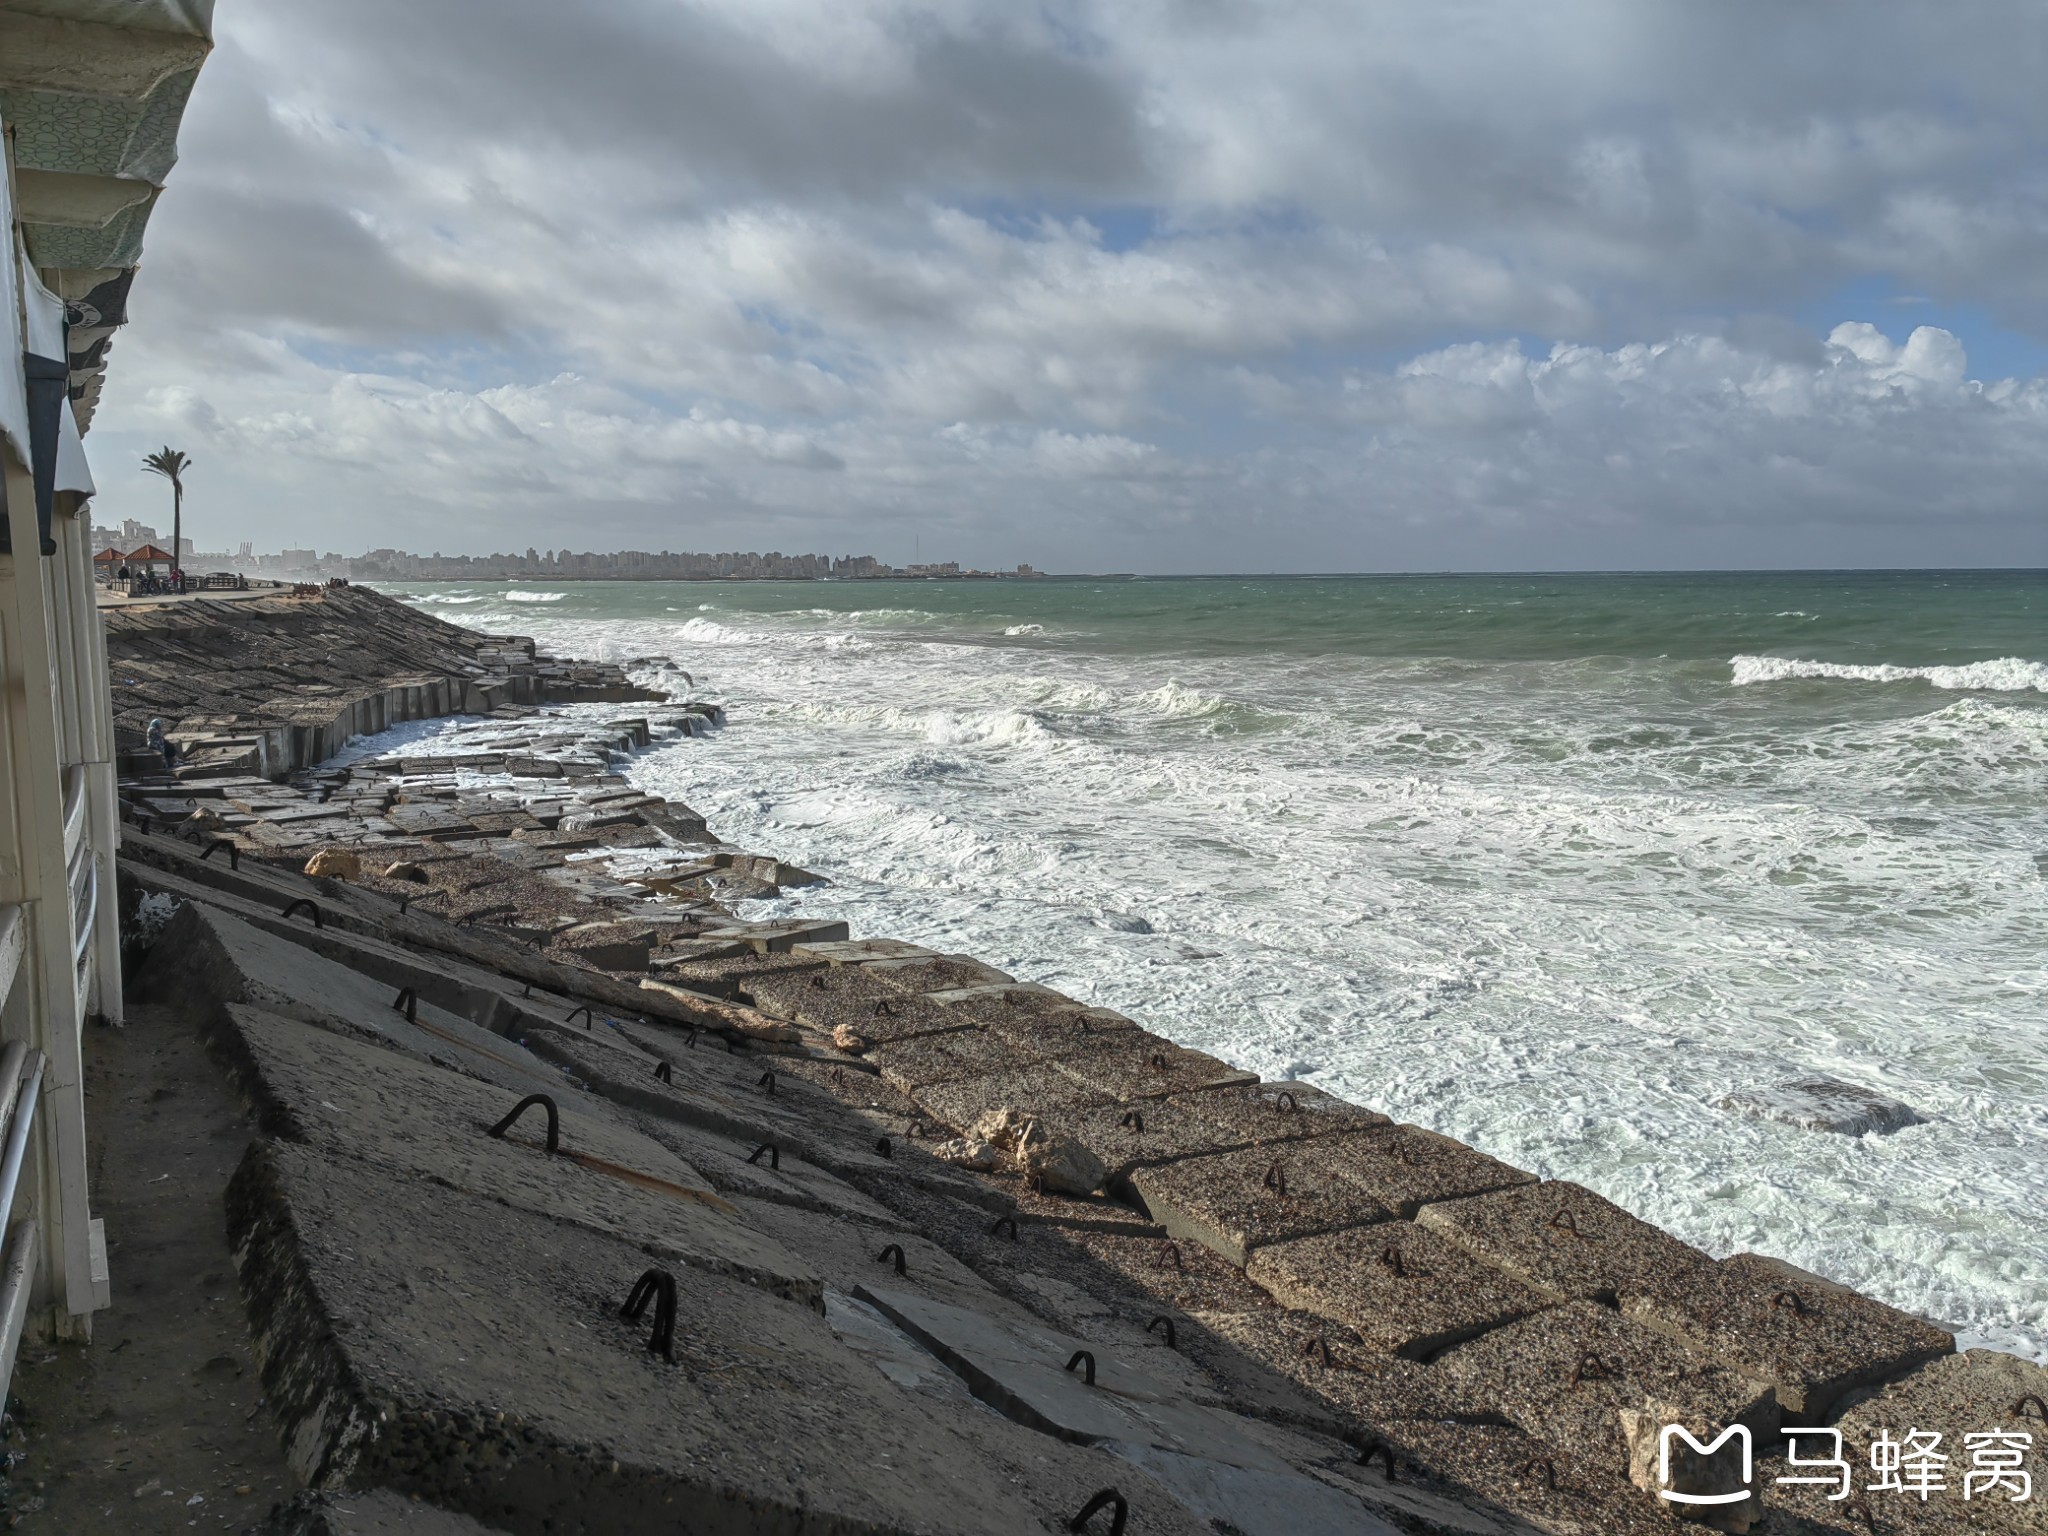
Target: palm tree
172, 464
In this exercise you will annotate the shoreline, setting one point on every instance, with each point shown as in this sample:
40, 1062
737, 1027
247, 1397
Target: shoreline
1296, 1196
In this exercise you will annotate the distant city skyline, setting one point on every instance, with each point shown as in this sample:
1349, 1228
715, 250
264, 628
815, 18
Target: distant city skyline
552, 564
1171, 286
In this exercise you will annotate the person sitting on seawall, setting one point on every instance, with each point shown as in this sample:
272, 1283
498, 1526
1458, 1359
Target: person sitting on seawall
162, 743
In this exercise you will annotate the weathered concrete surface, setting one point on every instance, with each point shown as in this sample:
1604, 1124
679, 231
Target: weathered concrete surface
1813, 1341
1135, 1065
376, 1513
207, 959
1256, 1502
1238, 1202
1975, 1392
849, 1254
389, 1115
418, 1339
846, 997
770, 1100
1039, 1094
1566, 1375
925, 1060
1563, 1239
1057, 1477
1159, 1131
1406, 1167
1402, 1289
1020, 1371
1332, 1379
1545, 1485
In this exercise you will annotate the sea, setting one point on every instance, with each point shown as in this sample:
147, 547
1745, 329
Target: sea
1551, 863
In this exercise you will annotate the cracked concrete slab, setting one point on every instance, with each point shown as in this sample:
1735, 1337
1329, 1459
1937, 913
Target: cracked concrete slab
415, 1338
207, 958
384, 1111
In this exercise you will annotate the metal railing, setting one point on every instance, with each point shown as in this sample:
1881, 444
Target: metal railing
21, 1087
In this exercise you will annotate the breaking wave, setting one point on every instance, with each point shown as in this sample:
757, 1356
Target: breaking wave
535, 597
2008, 674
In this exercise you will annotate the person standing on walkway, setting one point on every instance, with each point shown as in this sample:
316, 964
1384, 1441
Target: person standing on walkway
162, 743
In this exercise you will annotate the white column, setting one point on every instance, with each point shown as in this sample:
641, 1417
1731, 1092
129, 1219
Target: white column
36, 872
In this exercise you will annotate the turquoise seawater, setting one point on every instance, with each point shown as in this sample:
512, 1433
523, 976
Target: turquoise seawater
1550, 863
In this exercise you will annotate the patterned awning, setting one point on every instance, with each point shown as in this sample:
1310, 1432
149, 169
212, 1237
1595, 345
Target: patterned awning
94, 91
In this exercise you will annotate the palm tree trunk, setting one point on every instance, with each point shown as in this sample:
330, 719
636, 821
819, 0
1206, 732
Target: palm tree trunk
177, 532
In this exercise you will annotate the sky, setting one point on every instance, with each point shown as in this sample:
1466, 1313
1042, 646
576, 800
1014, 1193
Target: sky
1153, 285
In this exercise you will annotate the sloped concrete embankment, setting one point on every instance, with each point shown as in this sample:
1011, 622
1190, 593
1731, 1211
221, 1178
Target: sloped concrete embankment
1276, 1281
438, 1309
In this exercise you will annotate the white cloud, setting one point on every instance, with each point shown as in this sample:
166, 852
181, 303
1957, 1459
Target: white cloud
1170, 282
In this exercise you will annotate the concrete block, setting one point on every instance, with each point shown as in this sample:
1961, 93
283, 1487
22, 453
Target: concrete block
1523, 1481
1258, 1503
207, 958
1019, 1370
1128, 1137
376, 1513
1813, 1340
1056, 1477
418, 1339
389, 1115
859, 951
1264, 1113
943, 973
1237, 1202
846, 1254
923, 1060
1956, 1396
1059, 1031
1402, 1289
1406, 1167
1136, 1064
1565, 1240
1566, 1375
1302, 1369
1033, 1091
788, 1179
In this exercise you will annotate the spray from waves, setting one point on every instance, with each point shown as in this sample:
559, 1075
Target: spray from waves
1025, 629
535, 597
2008, 674
441, 597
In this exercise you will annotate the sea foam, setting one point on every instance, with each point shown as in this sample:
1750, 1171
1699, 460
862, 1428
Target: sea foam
2008, 674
